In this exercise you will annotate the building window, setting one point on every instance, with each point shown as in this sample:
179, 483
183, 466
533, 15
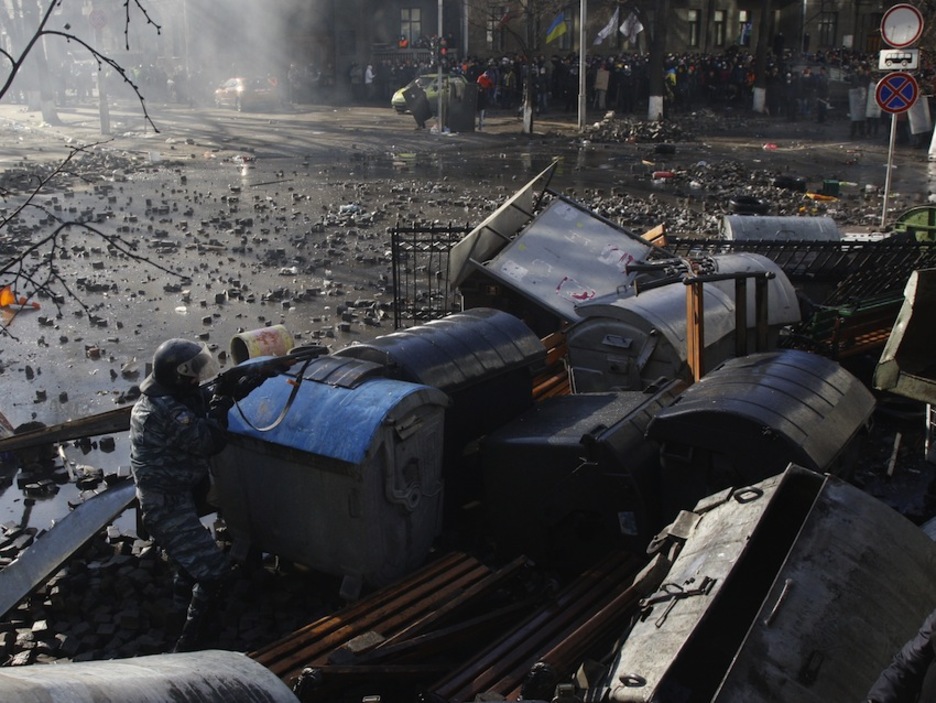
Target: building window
744, 28
695, 25
718, 28
498, 17
410, 25
828, 22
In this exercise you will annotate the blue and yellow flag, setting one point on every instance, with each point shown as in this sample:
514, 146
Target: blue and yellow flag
557, 28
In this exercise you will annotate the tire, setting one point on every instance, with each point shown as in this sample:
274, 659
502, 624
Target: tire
748, 205
795, 183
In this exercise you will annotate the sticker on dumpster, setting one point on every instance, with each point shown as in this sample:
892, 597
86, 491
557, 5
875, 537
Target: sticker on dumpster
513, 270
617, 257
570, 289
565, 240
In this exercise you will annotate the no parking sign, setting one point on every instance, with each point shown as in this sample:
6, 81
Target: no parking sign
896, 92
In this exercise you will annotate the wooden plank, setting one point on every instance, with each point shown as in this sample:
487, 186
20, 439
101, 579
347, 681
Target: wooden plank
414, 601
325, 625
111, 421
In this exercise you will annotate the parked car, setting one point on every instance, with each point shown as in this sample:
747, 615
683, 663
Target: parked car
428, 82
247, 93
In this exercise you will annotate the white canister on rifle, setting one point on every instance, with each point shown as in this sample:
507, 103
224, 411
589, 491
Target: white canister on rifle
274, 340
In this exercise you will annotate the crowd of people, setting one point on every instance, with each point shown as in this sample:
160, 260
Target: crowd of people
797, 86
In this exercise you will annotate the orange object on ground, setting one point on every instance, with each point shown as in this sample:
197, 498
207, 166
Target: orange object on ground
8, 298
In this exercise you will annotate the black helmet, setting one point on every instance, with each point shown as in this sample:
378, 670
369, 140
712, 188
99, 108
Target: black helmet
177, 362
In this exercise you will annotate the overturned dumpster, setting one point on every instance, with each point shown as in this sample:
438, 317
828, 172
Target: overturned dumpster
556, 265
907, 365
752, 416
780, 229
795, 589
337, 468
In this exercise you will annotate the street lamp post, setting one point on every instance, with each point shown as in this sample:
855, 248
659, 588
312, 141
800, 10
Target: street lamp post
582, 97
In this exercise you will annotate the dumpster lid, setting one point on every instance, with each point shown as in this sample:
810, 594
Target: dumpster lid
568, 256
808, 402
906, 366
456, 350
498, 228
337, 422
804, 605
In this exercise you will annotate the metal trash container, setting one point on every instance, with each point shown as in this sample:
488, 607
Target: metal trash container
461, 107
193, 677
751, 417
575, 476
349, 482
628, 342
797, 589
484, 360
418, 104
742, 228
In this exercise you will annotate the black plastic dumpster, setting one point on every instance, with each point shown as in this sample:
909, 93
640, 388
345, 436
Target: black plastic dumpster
484, 359
751, 417
418, 104
575, 476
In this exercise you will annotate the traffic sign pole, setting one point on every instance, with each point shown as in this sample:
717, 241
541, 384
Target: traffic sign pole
890, 166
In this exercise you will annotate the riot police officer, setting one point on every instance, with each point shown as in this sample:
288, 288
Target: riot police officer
176, 426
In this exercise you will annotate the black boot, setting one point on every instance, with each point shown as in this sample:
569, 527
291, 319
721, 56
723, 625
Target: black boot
198, 619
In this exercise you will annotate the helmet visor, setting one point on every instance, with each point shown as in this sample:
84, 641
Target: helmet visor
202, 366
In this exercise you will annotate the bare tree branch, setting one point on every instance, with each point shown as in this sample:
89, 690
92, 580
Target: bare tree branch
33, 269
16, 62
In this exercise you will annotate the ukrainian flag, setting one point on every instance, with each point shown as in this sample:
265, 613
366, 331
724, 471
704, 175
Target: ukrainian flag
557, 28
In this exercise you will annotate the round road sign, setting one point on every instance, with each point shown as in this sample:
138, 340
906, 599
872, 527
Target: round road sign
901, 25
896, 92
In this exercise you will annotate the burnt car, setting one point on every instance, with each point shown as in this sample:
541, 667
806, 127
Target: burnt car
247, 93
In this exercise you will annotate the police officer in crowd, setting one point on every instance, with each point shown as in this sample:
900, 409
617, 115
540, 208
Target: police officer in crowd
176, 426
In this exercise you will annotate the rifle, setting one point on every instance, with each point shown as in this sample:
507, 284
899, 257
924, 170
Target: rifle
238, 381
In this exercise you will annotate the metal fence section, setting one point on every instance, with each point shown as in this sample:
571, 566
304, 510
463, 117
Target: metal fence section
421, 285
856, 271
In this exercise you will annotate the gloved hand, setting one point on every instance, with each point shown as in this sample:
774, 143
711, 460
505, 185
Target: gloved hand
218, 408
246, 384
240, 387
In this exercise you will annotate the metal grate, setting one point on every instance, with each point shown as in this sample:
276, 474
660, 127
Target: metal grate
421, 286
855, 271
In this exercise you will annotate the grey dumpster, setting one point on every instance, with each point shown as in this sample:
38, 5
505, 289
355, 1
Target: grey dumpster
743, 228
349, 482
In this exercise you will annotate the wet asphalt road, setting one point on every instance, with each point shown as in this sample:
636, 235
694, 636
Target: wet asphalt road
248, 219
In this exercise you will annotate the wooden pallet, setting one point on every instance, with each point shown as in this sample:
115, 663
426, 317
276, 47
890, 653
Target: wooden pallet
388, 636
